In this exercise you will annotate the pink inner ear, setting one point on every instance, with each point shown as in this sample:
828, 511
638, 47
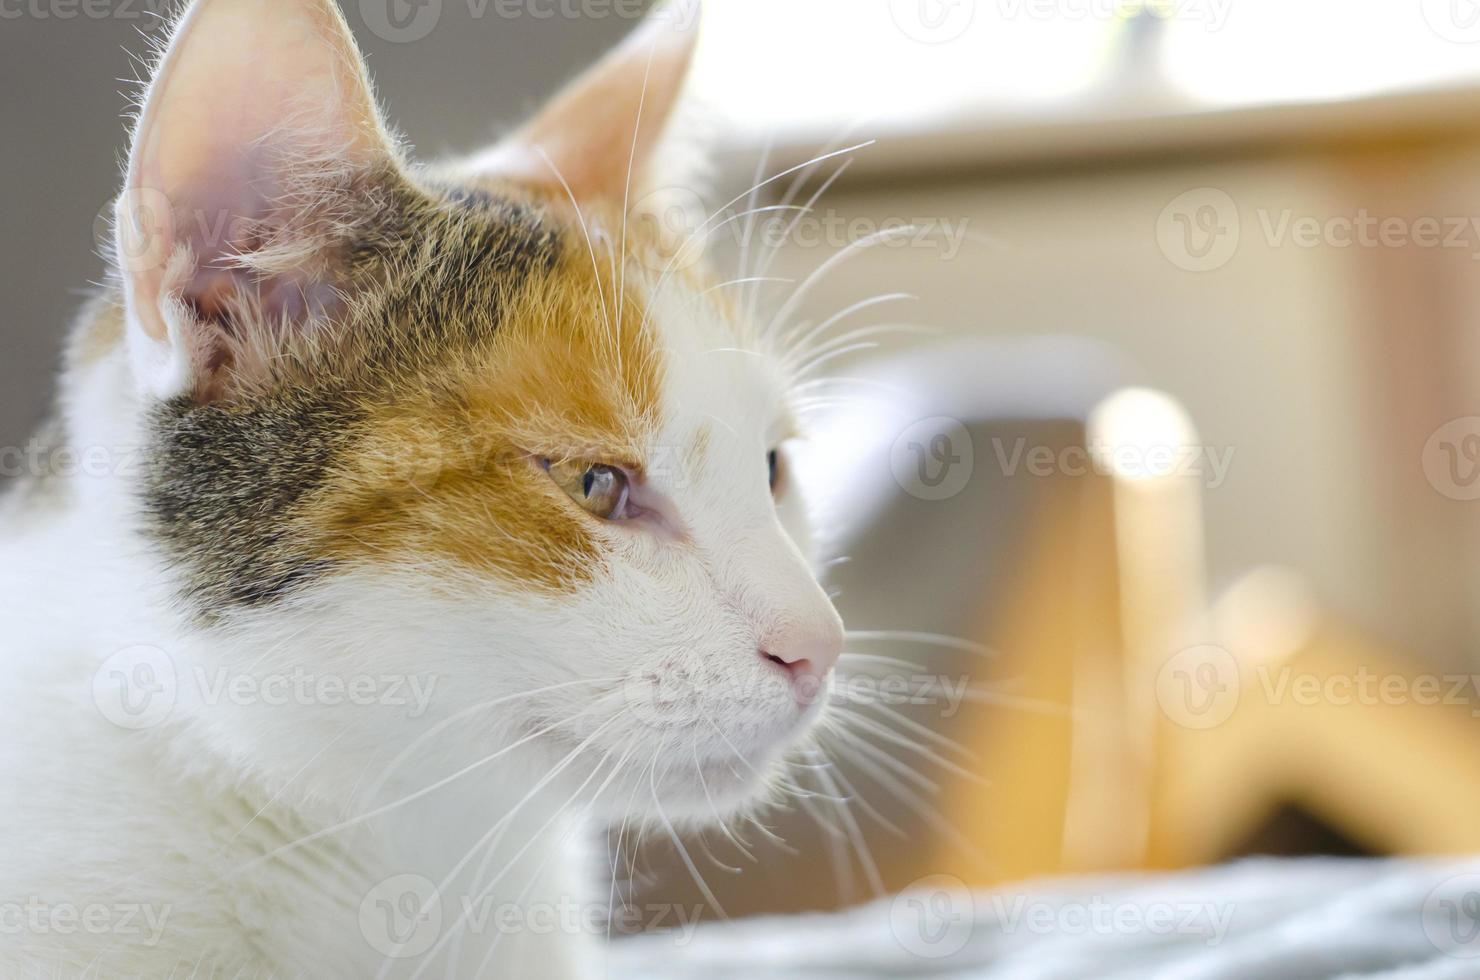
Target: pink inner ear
259, 110
600, 132
241, 211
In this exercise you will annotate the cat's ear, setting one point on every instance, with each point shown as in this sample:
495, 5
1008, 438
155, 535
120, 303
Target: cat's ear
255, 128
597, 139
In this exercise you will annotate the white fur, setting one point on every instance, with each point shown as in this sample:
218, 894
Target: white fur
174, 820
295, 763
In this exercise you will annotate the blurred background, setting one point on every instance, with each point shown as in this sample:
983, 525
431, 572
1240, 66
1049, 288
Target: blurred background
1157, 491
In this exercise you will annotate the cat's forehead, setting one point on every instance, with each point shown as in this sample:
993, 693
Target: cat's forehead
604, 344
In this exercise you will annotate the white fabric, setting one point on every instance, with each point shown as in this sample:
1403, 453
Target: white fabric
1255, 920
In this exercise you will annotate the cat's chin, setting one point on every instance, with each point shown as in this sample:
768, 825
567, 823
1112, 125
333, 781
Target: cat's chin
701, 793
704, 775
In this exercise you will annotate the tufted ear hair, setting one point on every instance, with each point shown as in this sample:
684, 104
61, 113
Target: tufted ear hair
258, 131
597, 139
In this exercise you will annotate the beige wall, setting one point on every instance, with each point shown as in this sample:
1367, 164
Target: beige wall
1281, 354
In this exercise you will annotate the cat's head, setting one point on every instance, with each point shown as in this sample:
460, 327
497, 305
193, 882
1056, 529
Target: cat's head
477, 425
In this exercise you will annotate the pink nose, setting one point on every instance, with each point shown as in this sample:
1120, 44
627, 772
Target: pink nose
807, 657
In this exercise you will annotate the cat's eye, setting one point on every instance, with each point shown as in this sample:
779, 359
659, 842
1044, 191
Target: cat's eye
773, 464
600, 489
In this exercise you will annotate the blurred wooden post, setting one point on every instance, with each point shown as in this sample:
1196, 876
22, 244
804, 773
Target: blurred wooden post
1112, 586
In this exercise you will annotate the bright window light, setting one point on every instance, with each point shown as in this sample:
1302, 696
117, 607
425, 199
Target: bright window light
810, 68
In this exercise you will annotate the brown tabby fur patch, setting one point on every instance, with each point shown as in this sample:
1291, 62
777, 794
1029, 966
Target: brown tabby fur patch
475, 338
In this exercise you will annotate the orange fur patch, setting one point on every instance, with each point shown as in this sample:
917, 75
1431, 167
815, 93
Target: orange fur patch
449, 467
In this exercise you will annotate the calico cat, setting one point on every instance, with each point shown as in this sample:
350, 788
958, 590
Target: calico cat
414, 520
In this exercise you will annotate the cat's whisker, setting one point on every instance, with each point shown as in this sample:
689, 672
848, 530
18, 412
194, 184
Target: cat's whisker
616, 855
770, 835
284, 787
837, 850
907, 773
883, 731
855, 833
864, 754
796, 185
412, 797
803, 341
507, 817
454, 956
586, 232
479, 709
924, 731
863, 803
760, 168
851, 657
719, 821
840, 381
539, 870
647, 72
924, 639
845, 254
663, 277
683, 853
820, 360
850, 336
745, 281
